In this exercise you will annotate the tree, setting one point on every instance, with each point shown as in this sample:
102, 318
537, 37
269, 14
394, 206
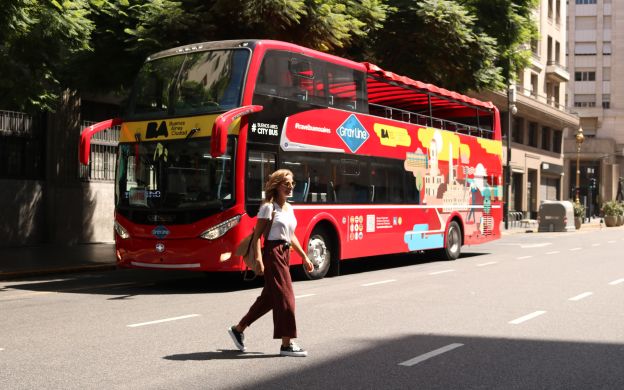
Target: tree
460, 45
38, 39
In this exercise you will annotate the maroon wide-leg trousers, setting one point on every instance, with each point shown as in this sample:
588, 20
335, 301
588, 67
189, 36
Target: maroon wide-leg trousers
277, 294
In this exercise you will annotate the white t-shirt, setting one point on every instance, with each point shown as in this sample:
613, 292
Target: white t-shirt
285, 222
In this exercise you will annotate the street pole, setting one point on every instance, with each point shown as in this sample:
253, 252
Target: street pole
511, 99
579, 140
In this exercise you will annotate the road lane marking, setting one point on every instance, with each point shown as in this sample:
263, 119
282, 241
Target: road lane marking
527, 317
429, 355
489, 263
1, 349
540, 245
441, 272
523, 257
376, 283
581, 296
552, 252
617, 281
575, 249
595, 244
163, 320
612, 242
304, 296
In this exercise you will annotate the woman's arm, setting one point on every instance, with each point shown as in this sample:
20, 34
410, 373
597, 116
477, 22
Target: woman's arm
306, 261
261, 225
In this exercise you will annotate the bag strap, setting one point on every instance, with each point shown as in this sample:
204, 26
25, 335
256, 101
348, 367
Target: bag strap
267, 230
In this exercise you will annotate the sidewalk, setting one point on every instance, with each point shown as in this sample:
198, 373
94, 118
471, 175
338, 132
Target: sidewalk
48, 259
593, 223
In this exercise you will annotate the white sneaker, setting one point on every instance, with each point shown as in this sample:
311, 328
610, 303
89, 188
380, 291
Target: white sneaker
293, 350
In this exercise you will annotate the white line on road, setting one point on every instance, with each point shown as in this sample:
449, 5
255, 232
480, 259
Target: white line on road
163, 320
612, 242
539, 245
523, 257
381, 282
441, 272
595, 244
489, 263
581, 296
552, 252
527, 317
575, 249
429, 355
304, 296
1, 349
617, 281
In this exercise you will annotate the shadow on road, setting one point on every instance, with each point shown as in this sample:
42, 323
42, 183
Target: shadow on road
221, 354
126, 284
480, 363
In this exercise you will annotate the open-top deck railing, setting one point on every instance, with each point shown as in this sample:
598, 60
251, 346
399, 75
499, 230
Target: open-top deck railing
429, 121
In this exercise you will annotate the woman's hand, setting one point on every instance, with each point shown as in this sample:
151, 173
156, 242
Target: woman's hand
307, 263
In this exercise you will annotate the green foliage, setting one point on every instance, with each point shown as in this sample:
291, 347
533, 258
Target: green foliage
512, 24
38, 39
438, 41
612, 208
579, 210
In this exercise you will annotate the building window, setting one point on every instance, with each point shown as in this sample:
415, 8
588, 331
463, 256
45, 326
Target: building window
606, 48
606, 101
585, 76
585, 1
585, 100
533, 134
557, 138
517, 131
545, 138
585, 48
606, 74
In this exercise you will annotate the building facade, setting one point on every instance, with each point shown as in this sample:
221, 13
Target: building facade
595, 58
540, 119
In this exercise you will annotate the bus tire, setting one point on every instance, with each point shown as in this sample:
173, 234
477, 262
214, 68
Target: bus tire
452, 242
321, 252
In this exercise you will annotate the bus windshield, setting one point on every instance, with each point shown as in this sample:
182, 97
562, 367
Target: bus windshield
189, 84
174, 175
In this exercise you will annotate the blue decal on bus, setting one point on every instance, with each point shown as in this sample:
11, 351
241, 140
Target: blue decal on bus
160, 232
352, 133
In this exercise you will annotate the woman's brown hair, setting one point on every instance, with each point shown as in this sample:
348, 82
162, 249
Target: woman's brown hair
275, 180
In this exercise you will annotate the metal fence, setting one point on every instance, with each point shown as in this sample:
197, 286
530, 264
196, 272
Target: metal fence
16, 124
103, 157
22, 147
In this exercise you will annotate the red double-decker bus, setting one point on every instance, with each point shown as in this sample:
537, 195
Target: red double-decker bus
383, 163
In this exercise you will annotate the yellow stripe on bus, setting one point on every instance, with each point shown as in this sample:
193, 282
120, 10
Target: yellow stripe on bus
170, 129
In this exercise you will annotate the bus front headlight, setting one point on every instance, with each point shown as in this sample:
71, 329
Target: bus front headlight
220, 229
121, 231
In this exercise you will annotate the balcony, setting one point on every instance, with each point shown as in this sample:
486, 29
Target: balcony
557, 72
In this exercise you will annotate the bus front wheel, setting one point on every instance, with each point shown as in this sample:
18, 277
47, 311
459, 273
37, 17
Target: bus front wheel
320, 253
453, 242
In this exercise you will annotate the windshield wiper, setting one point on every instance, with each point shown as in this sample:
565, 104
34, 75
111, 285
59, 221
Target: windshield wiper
192, 132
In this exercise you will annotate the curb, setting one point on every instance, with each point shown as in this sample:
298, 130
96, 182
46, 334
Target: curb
53, 271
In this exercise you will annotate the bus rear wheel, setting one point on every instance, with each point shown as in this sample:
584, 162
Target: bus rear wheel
453, 242
320, 253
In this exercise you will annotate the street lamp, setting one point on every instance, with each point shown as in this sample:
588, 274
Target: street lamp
579, 141
511, 111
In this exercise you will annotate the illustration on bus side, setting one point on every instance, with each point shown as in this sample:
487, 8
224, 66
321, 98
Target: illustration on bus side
448, 181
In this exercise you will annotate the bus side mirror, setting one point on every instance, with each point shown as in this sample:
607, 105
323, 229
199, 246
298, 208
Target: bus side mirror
218, 142
84, 149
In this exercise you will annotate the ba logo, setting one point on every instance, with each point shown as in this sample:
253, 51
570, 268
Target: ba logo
154, 130
352, 133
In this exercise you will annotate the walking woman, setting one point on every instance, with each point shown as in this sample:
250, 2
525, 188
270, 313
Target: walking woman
277, 294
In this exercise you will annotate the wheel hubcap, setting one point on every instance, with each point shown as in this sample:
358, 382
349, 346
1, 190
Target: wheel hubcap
317, 252
453, 237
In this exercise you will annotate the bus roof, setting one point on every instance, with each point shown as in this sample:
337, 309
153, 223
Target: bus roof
403, 93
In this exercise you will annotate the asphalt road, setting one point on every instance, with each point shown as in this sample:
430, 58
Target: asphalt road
530, 311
